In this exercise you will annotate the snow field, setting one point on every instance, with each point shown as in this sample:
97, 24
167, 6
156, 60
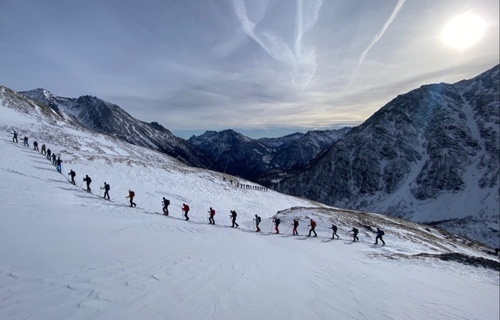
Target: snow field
71, 255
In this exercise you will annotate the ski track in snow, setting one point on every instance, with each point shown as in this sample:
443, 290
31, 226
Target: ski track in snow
66, 254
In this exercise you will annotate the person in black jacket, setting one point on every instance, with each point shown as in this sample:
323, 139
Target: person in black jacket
88, 181
59, 164
106, 188
233, 217
166, 203
355, 234
380, 233
334, 229
72, 174
257, 222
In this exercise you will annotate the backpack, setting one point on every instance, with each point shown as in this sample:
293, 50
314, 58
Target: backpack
234, 214
334, 228
259, 219
186, 208
108, 187
277, 221
167, 202
313, 223
381, 232
355, 230
132, 194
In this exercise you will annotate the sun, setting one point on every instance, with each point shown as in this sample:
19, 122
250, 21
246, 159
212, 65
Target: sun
463, 31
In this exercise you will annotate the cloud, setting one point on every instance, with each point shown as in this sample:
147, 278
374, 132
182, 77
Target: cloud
301, 59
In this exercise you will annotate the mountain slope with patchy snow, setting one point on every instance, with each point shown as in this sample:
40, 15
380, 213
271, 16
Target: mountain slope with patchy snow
430, 155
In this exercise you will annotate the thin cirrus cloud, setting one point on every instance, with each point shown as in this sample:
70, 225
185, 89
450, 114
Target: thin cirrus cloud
240, 64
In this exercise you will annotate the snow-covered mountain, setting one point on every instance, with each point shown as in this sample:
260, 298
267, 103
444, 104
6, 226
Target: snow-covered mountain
104, 117
69, 254
260, 159
430, 155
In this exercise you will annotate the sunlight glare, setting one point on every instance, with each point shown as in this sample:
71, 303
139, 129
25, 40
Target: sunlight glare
463, 31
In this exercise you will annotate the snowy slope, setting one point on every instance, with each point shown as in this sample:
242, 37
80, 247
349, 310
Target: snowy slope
68, 254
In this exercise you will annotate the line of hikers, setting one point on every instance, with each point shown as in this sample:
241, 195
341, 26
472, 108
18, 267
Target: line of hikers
185, 207
312, 224
56, 160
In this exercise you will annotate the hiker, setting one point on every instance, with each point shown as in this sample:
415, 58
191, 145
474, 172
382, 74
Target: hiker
88, 181
26, 141
380, 233
35, 146
295, 226
334, 228
131, 195
54, 159
59, 164
312, 224
48, 154
257, 222
354, 234
211, 213
277, 222
106, 188
185, 208
166, 202
233, 217
43, 149
72, 174
14, 138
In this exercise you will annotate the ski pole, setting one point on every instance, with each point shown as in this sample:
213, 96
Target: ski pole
288, 228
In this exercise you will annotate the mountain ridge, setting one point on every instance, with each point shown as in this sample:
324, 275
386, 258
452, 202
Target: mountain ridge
428, 155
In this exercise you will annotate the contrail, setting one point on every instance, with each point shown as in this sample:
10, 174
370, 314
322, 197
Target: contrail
381, 32
303, 63
270, 42
377, 37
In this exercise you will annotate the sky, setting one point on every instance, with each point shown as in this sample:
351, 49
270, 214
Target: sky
261, 67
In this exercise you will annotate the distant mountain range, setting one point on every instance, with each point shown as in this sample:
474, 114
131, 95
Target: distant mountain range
430, 155
226, 151
262, 159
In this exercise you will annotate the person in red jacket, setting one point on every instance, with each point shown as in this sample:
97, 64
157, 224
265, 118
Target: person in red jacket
185, 208
295, 225
313, 226
211, 217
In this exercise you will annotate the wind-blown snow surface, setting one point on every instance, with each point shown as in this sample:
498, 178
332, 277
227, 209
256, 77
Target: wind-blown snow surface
67, 254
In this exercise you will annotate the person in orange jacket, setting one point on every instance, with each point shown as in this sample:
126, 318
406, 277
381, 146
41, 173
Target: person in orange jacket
313, 226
